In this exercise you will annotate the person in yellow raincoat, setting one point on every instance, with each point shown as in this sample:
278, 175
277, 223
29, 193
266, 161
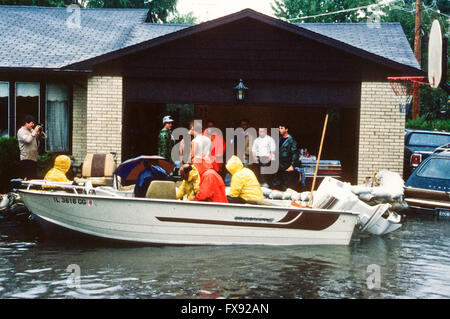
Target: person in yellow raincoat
190, 184
59, 170
244, 184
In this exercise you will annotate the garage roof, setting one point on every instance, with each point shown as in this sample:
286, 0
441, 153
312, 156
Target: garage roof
42, 37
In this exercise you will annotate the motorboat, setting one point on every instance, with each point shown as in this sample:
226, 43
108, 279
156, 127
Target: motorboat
108, 213
113, 212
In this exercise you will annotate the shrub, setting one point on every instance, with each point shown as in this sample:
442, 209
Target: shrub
45, 163
9, 162
422, 124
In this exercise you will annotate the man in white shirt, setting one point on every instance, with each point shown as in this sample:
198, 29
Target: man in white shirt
200, 145
263, 152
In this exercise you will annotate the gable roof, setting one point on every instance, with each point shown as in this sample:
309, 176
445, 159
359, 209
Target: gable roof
383, 39
39, 37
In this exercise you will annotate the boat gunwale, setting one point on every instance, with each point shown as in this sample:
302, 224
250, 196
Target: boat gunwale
178, 202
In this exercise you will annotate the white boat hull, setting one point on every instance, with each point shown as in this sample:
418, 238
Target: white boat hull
156, 221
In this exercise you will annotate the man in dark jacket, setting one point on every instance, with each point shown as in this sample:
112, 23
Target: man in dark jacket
288, 158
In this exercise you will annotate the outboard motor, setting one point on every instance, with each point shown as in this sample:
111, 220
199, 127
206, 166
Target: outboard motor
336, 195
12, 207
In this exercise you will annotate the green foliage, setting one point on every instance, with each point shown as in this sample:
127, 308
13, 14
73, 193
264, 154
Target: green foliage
159, 10
432, 101
42, 3
45, 163
289, 9
188, 18
9, 161
423, 124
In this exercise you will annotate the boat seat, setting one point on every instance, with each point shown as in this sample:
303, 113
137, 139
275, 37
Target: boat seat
98, 169
162, 190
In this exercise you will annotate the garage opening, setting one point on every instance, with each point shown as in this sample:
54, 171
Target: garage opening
142, 123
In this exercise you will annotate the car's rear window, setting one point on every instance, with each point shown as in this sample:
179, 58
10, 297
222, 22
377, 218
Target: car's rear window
436, 168
428, 139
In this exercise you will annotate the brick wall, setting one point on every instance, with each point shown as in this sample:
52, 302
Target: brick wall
104, 115
79, 122
382, 129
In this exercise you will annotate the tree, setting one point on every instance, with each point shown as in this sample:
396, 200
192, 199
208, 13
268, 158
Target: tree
290, 9
188, 18
432, 101
159, 10
42, 3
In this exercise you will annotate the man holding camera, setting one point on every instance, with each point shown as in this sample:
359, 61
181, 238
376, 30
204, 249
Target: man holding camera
28, 136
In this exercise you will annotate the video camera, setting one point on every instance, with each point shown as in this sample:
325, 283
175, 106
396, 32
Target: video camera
41, 127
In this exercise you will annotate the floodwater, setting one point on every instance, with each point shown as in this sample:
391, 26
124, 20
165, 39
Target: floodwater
413, 262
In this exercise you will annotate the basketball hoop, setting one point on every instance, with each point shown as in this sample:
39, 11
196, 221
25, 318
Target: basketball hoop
405, 87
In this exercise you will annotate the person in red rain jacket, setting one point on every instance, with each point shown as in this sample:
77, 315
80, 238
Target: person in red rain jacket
212, 187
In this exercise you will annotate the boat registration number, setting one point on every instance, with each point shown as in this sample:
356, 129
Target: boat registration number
74, 201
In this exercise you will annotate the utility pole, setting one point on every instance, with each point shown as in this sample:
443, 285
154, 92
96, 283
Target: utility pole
418, 54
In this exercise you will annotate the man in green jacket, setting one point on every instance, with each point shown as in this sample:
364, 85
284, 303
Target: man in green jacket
165, 138
288, 158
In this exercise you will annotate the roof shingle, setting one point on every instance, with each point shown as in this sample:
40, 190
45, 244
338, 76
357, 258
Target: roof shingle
43, 37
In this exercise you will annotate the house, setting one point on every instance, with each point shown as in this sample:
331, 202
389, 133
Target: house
102, 79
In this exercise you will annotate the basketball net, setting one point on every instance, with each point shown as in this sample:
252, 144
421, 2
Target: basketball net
404, 87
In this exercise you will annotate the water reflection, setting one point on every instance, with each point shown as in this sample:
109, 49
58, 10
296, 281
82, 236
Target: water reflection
413, 262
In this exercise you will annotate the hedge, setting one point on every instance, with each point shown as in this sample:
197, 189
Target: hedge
10, 162
422, 124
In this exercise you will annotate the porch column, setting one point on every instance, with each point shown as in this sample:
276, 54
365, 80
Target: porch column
104, 115
381, 131
79, 122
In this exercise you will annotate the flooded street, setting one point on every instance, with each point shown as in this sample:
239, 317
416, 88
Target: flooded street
413, 262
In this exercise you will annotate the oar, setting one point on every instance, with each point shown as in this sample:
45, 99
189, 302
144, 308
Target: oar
318, 160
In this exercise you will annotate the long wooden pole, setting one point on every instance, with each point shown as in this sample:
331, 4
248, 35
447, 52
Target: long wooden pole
318, 160
418, 55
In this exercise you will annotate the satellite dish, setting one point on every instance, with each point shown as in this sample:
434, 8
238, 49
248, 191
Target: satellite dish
435, 55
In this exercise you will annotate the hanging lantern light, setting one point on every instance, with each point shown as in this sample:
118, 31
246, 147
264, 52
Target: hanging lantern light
240, 90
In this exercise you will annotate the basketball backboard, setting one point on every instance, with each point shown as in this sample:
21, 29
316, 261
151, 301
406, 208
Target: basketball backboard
435, 55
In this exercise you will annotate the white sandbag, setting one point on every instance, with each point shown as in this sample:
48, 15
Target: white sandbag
276, 195
392, 183
360, 189
305, 196
389, 186
266, 191
366, 197
287, 196
295, 197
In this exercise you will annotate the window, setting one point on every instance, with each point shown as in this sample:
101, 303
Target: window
436, 168
4, 109
429, 139
57, 118
27, 102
